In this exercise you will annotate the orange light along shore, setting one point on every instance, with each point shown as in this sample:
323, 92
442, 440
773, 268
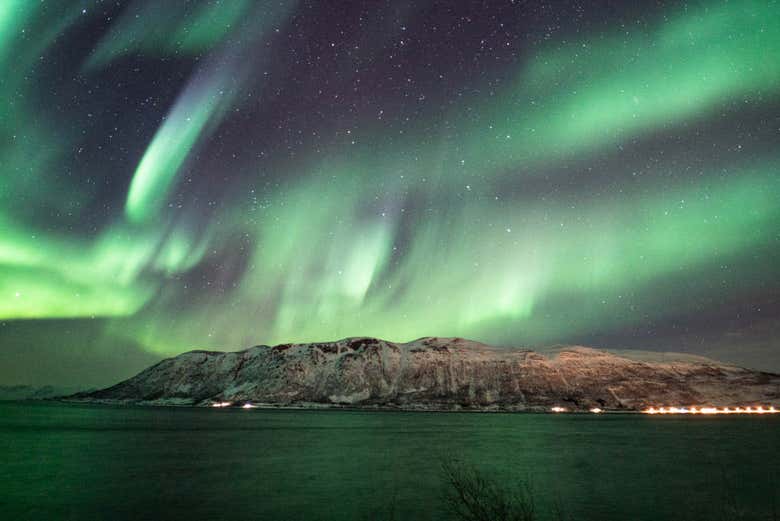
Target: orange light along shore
711, 410
559, 409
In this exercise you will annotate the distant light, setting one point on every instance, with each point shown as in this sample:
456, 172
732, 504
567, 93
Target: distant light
708, 410
558, 409
222, 404
596, 410
248, 406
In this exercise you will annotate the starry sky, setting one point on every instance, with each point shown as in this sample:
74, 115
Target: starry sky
219, 174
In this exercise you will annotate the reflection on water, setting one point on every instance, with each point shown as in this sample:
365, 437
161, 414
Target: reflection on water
84, 462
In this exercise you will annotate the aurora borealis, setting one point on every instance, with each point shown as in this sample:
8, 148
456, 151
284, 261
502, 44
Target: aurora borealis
188, 174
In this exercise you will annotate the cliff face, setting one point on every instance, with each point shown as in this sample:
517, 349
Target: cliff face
437, 373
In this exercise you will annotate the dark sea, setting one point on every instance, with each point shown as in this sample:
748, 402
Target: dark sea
61, 461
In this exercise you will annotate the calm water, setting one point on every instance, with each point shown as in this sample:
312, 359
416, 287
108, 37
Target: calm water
98, 462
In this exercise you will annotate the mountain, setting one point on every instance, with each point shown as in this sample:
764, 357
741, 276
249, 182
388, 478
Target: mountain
438, 373
29, 392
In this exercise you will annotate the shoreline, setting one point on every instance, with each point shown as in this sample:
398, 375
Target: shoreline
336, 407
385, 408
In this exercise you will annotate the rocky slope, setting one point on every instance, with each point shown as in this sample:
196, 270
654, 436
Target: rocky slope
437, 373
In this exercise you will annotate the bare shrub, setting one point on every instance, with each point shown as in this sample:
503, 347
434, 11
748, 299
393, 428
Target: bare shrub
473, 496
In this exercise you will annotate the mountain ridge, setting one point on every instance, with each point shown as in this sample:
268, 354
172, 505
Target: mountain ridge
435, 373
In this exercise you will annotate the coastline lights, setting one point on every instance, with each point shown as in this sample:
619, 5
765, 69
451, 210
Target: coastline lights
222, 404
558, 409
759, 409
248, 406
596, 410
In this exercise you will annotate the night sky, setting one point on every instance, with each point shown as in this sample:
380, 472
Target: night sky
186, 174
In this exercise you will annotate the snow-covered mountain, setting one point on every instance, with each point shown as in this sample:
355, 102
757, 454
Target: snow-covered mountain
438, 373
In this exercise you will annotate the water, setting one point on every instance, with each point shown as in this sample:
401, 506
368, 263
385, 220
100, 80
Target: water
97, 462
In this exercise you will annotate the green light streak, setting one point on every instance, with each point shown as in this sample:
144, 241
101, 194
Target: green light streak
169, 29
13, 13
170, 147
115, 275
201, 106
574, 98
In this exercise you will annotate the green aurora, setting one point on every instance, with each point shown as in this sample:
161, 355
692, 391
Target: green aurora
621, 176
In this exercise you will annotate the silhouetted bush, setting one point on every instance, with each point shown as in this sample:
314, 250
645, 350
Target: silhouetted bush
473, 496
